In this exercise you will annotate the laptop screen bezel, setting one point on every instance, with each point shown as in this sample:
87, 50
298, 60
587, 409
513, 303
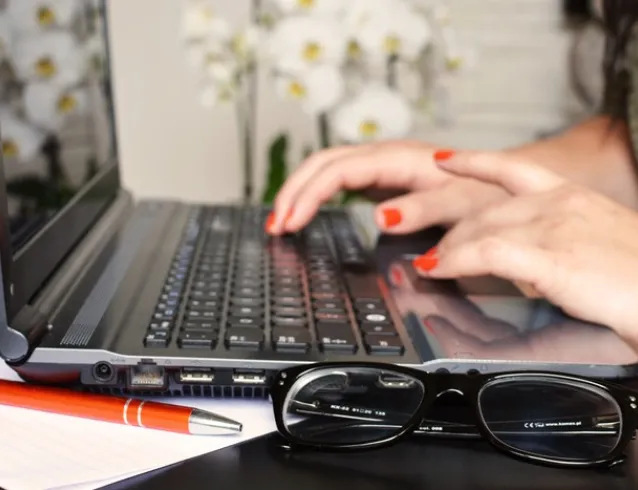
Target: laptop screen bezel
28, 269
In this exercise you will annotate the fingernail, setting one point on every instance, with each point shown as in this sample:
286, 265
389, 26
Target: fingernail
427, 262
270, 221
391, 217
443, 155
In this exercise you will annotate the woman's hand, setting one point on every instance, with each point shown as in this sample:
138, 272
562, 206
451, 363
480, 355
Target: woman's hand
575, 247
435, 197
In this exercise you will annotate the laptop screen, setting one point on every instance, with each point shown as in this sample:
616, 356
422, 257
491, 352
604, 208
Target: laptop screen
56, 128
55, 110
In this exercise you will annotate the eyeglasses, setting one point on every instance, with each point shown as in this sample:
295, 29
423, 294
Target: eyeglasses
547, 418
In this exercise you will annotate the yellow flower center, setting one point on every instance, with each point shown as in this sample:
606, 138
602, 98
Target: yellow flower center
369, 129
9, 149
306, 4
207, 12
392, 45
45, 67
297, 90
454, 63
354, 50
45, 16
225, 93
67, 103
312, 52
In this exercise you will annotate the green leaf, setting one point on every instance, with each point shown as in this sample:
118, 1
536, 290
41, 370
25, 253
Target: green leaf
277, 168
27, 187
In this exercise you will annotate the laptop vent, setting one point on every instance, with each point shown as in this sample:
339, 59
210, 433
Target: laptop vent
250, 392
91, 313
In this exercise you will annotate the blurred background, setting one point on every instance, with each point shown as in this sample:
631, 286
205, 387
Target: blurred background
213, 94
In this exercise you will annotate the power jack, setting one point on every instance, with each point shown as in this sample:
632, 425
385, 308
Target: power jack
103, 372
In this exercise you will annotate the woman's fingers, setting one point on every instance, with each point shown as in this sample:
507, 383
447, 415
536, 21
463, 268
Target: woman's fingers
373, 168
511, 214
516, 260
517, 177
421, 209
314, 163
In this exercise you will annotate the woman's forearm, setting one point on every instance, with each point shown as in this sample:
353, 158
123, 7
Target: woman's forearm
596, 153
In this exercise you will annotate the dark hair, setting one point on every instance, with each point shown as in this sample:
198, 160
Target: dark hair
620, 17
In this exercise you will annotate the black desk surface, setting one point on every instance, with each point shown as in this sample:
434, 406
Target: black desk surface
414, 465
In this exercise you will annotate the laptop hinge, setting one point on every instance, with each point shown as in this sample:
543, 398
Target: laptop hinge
26, 330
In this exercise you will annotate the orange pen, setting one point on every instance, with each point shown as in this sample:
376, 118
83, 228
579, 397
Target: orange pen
117, 410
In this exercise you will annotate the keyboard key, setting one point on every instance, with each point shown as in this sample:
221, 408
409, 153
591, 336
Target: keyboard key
288, 300
379, 329
329, 304
290, 321
248, 292
374, 318
244, 338
336, 338
212, 304
239, 301
157, 339
245, 321
287, 339
200, 325
331, 317
201, 339
202, 315
160, 326
286, 291
367, 304
251, 311
292, 311
383, 345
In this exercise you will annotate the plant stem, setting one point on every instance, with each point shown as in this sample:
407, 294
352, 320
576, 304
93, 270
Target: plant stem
392, 71
249, 118
324, 131
51, 151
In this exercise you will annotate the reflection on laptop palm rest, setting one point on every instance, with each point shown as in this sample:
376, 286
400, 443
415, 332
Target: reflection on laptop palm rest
71, 451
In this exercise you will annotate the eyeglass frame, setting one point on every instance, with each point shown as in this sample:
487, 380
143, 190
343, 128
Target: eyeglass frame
470, 386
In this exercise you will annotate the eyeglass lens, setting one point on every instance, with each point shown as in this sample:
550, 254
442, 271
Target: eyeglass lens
352, 405
552, 419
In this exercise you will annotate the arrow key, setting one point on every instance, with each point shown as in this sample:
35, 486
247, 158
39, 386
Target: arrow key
336, 338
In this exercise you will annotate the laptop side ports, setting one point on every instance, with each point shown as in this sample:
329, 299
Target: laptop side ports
249, 377
196, 376
146, 377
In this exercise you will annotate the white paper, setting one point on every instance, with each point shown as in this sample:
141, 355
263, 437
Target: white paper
47, 451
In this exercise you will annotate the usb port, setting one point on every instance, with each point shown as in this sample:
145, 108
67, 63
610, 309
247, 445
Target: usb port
249, 376
196, 375
146, 376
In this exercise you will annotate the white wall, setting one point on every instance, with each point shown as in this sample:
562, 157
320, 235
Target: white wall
172, 147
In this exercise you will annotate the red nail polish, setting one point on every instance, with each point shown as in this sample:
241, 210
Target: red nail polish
391, 217
427, 262
270, 221
443, 155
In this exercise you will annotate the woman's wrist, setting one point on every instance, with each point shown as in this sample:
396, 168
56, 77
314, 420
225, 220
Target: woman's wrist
596, 153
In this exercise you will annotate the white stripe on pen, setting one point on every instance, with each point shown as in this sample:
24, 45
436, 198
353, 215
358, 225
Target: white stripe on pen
139, 415
125, 411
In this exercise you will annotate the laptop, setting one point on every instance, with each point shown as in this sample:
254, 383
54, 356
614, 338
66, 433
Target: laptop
108, 294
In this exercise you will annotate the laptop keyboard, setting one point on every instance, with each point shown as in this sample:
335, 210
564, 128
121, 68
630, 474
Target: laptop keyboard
231, 286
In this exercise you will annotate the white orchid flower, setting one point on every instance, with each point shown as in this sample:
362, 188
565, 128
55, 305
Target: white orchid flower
246, 43
199, 21
53, 56
300, 42
401, 31
318, 89
36, 15
376, 113
214, 94
21, 141
318, 7
49, 106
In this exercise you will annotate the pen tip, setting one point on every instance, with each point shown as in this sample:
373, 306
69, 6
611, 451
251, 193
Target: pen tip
206, 423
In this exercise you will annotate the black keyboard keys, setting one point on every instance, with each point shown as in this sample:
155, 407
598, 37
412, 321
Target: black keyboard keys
334, 337
197, 339
291, 340
244, 338
381, 345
